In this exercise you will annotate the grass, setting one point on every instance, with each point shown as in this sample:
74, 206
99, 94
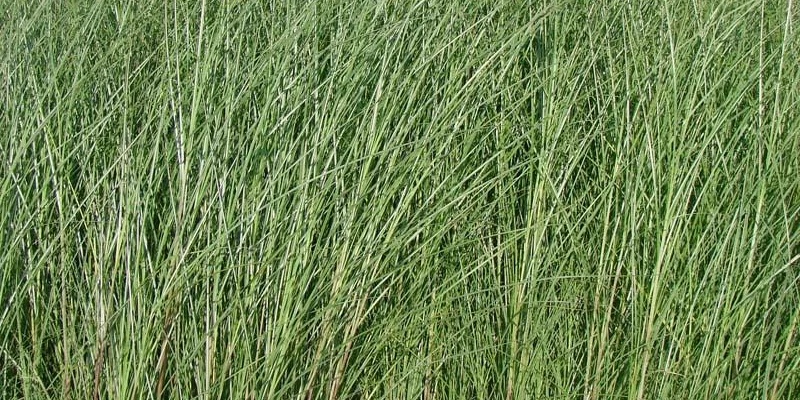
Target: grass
339, 200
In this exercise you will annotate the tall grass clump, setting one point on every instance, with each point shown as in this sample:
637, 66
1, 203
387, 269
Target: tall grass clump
330, 199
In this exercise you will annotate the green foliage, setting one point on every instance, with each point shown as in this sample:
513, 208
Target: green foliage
336, 199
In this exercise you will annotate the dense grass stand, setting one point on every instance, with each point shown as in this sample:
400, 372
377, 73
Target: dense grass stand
328, 199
